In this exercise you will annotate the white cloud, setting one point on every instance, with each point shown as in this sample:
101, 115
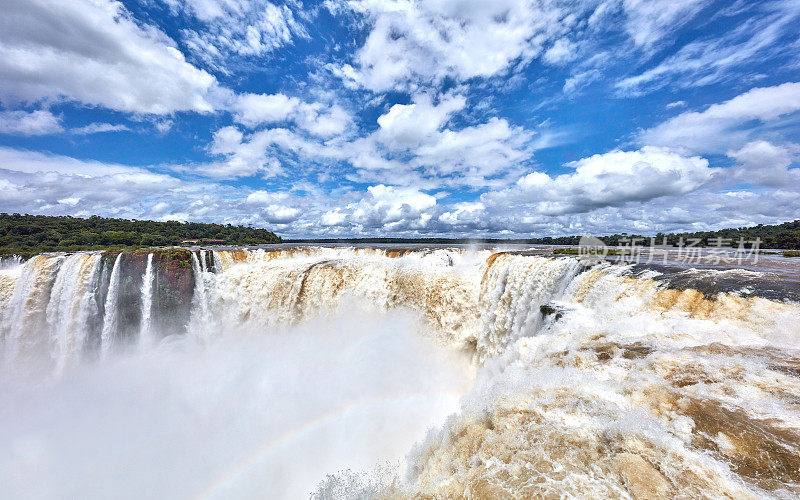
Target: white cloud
252, 110
385, 207
104, 58
676, 104
164, 125
418, 136
708, 61
279, 214
275, 207
412, 145
727, 124
242, 158
649, 21
333, 218
411, 125
474, 154
238, 27
98, 128
463, 39
562, 51
44, 183
36, 162
766, 164
469, 214
255, 109
581, 79
41, 122
604, 180
418, 43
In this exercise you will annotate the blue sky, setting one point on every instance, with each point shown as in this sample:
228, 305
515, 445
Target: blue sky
404, 118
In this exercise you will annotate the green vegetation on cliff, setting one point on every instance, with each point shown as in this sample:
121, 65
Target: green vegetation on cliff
30, 234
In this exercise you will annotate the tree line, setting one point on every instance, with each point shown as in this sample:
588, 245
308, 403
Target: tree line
785, 236
31, 234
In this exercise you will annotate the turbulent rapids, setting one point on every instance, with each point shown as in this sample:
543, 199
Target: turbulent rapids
428, 373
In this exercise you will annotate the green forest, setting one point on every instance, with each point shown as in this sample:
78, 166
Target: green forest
31, 234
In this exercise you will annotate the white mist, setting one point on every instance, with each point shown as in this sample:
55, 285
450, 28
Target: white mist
267, 414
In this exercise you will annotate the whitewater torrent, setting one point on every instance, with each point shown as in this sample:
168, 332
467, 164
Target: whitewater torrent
110, 307
145, 335
319, 371
200, 320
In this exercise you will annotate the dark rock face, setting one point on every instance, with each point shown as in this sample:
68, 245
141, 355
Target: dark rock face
129, 313
173, 288
548, 309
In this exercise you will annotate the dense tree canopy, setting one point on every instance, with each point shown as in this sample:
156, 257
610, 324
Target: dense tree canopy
30, 234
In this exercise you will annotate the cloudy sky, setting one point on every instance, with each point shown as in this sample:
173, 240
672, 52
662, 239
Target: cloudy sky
398, 117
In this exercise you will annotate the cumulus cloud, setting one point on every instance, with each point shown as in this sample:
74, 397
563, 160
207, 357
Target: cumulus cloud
94, 52
318, 119
385, 207
562, 51
413, 144
276, 208
418, 123
701, 210
418, 135
45, 183
727, 124
37, 182
763, 163
465, 215
241, 158
53, 184
606, 180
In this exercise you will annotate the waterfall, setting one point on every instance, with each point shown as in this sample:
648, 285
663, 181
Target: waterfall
10, 262
146, 337
200, 319
111, 307
203, 263
25, 323
72, 302
605, 380
482, 301
513, 290
217, 260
